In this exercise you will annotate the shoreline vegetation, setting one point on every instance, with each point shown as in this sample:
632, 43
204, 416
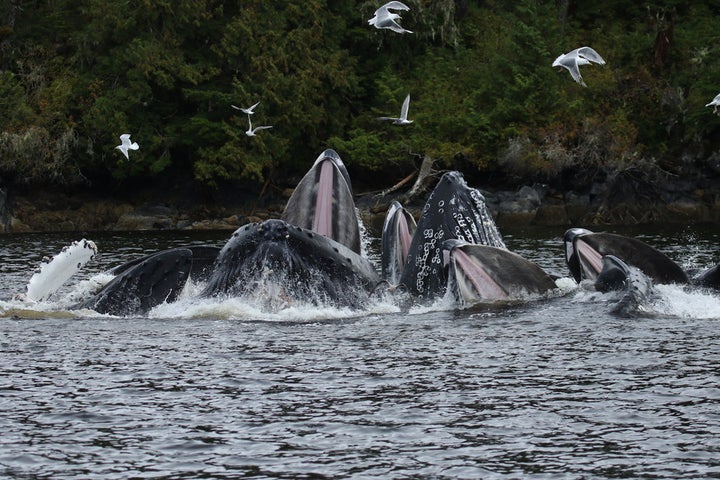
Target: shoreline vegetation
621, 202
638, 144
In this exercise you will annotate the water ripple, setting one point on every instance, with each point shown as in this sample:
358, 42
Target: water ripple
555, 389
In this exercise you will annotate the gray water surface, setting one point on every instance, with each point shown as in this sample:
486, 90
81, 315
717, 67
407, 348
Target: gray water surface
558, 388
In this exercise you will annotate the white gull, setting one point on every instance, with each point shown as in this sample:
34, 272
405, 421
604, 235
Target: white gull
403, 113
573, 60
248, 110
251, 131
127, 145
715, 103
384, 18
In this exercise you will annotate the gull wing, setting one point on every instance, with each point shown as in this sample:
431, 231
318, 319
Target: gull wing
715, 101
558, 61
405, 108
571, 62
395, 27
248, 110
575, 73
590, 54
394, 6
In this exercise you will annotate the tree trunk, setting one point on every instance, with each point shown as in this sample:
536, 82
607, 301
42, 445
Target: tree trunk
419, 186
563, 7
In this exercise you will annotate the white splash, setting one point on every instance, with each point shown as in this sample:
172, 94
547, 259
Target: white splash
445, 303
685, 302
566, 284
235, 308
365, 239
84, 289
53, 274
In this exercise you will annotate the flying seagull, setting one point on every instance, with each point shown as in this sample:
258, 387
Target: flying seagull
248, 110
403, 114
385, 19
715, 103
573, 60
127, 145
251, 131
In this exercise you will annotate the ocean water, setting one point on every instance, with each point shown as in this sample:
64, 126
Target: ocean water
553, 388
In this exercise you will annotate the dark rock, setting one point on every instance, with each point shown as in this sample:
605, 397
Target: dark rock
551, 215
530, 195
137, 221
576, 199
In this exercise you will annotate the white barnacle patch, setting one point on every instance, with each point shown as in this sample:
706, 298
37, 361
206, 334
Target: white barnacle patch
431, 255
477, 196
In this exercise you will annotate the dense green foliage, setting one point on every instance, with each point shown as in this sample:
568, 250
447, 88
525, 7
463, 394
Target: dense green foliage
75, 74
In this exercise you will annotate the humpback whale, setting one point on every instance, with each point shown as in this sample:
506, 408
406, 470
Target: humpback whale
323, 202
584, 251
303, 264
484, 274
452, 211
143, 285
397, 233
203, 257
710, 278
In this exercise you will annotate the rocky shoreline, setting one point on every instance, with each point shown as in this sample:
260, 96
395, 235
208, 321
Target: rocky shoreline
529, 205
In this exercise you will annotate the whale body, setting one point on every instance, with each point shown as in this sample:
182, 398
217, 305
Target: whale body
584, 251
453, 211
397, 233
156, 279
299, 264
486, 274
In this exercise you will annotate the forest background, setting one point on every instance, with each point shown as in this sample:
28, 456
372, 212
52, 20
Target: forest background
75, 74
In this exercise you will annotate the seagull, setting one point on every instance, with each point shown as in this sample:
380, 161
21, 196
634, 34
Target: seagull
403, 114
573, 60
715, 103
385, 19
248, 110
251, 131
127, 145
